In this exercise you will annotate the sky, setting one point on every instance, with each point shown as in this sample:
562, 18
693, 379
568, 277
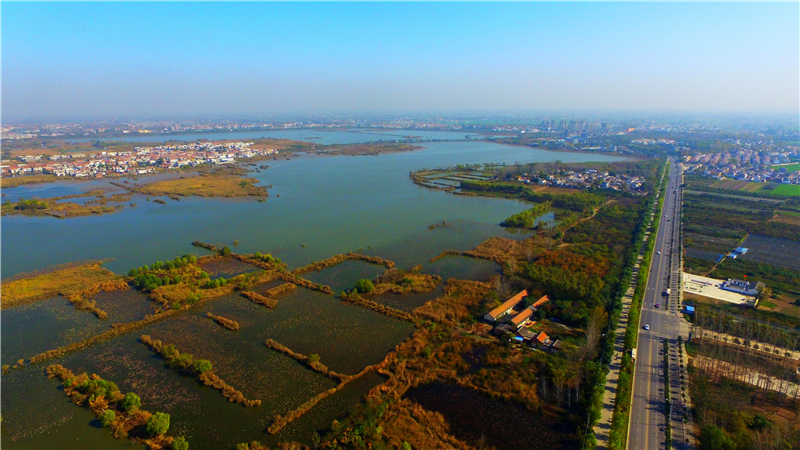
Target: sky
171, 60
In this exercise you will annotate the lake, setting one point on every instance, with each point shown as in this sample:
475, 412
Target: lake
329, 204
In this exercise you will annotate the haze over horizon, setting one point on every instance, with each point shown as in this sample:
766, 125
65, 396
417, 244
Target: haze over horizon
91, 60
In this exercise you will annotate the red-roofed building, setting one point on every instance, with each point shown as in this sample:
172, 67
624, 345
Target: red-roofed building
522, 318
505, 307
541, 301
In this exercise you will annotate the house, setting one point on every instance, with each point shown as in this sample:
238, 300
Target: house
751, 288
503, 328
540, 302
541, 340
526, 334
522, 318
505, 307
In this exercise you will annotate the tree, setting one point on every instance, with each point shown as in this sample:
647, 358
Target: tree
714, 438
158, 424
312, 358
203, 365
131, 402
226, 251
363, 286
405, 446
180, 443
107, 417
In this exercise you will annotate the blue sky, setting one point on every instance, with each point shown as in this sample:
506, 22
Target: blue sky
65, 60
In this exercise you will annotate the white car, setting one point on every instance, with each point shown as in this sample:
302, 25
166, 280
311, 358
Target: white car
647, 326
658, 253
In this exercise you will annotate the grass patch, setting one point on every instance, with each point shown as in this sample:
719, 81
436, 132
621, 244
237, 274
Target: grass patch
793, 167
790, 190
206, 186
12, 182
767, 304
66, 282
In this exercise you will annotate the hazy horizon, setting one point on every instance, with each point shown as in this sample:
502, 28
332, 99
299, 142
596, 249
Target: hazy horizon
64, 61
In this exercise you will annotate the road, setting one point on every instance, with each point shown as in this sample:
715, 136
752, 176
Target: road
648, 411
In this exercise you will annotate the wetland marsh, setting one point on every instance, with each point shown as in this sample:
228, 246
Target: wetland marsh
327, 206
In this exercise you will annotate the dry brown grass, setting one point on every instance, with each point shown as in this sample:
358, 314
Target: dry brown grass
68, 282
206, 186
501, 250
459, 296
10, 182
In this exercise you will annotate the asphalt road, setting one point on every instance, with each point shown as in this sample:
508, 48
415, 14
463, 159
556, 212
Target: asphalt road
648, 411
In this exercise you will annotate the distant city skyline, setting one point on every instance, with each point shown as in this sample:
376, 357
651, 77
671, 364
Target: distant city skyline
64, 61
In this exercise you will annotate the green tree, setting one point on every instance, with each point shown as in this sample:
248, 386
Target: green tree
715, 438
158, 424
312, 358
363, 286
226, 251
405, 446
131, 402
180, 443
107, 417
203, 365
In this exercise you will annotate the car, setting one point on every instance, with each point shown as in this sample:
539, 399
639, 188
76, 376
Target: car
657, 305
658, 253
647, 326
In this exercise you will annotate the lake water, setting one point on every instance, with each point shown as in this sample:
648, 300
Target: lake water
330, 204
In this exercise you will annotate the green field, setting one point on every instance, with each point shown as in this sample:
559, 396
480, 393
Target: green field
792, 190
793, 167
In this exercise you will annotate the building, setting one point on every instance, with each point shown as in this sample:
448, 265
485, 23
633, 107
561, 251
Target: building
522, 318
541, 340
751, 288
540, 302
506, 307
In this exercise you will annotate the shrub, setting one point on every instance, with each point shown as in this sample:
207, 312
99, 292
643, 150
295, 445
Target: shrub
203, 365
107, 417
363, 286
131, 402
158, 424
180, 443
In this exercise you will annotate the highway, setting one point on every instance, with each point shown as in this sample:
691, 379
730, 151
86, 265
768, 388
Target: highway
648, 410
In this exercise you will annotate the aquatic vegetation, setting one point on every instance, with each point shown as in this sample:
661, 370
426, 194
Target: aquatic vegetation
311, 362
205, 185
117, 411
260, 299
337, 259
76, 280
282, 289
398, 281
227, 323
202, 370
459, 296
356, 299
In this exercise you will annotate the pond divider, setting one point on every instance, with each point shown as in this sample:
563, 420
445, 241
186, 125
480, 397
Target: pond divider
227, 323
200, 369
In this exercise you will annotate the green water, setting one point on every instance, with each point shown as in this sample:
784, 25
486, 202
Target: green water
332, 205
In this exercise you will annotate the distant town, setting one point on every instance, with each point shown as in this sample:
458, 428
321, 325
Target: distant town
746, 165
140, 161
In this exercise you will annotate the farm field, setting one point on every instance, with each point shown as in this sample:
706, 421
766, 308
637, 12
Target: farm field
791, 190
776, 251
736, 185
793, 167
